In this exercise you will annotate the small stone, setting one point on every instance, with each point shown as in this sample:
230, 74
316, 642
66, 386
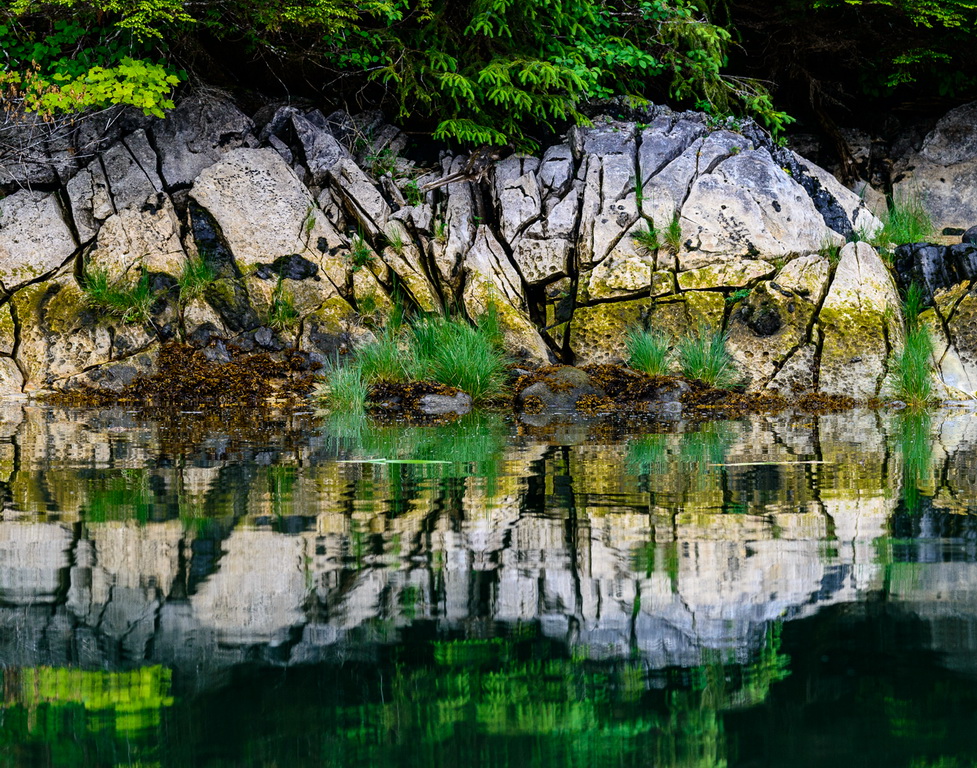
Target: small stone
444, 405
970, 236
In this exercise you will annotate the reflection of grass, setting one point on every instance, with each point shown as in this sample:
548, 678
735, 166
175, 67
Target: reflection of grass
474, 444
915, 446
693, 451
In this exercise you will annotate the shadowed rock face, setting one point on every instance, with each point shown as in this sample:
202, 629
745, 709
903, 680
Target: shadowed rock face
200, 545
664, 222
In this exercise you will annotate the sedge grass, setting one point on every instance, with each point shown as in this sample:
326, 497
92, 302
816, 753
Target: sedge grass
648, 351
456, 354
704, 356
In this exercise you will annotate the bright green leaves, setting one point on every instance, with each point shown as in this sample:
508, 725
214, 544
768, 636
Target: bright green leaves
71, 69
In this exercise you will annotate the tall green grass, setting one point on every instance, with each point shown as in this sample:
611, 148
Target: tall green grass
649, 351
447, 351
905, 221
704, 356
196, 275
457, 354
913, 366
131, 304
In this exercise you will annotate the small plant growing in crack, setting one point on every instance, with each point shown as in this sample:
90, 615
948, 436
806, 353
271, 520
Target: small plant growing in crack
131, 304
395, 239
441, 231
673, 234
360, 254
647, 239
282, 313
197, 274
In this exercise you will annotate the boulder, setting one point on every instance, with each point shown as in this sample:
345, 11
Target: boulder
748, 206
556, 388
769, 325
942, 174
264, 212
860, 324
139, 238
35, 240
197, 133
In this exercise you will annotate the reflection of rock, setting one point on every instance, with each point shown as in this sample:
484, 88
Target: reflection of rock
257, 595
678, 543
33, 558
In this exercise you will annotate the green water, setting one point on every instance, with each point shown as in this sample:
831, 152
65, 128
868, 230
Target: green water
268, 589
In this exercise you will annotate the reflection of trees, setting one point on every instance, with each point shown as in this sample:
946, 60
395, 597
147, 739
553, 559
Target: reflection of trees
72, 717
519, 701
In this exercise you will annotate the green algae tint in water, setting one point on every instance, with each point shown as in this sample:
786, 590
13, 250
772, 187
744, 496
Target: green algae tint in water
257, 589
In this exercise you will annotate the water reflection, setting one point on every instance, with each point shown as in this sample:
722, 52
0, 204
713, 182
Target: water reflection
545, 594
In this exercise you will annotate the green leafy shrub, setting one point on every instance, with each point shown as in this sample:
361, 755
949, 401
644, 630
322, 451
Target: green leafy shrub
491, 71
704, 356
131, 304
648, 351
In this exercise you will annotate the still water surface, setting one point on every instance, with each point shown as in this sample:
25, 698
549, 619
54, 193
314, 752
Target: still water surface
260, 589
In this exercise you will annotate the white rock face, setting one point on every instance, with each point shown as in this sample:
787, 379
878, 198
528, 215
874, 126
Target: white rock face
34, 238
263, 210
861, 322
749, 206
942, 175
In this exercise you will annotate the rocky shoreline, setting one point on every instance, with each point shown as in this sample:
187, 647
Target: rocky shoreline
309, 230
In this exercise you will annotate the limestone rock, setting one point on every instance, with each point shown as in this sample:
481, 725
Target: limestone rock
542, 261
360, 197
11, 377
860, 322
771, 324
264, 212
796, 375
332, 332
943, 173
597, 333
864, 222
320, 149
958, 364
619, 277
34, 238
145, 237
733, 273
60, 335
748, 206
664, 193
197, 133
517, 193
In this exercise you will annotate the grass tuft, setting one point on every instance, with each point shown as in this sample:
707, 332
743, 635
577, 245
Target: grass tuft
387, 359
456, 354
905, 221
197, 274
704, 356
913, 369
282, 314
344, 389
130, 304
647, 239
648, 351
673, 234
